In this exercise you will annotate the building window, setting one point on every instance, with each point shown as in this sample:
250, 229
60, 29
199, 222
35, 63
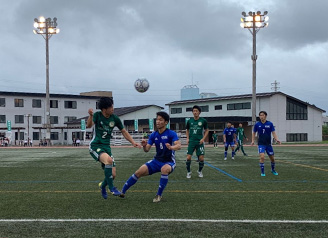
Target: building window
69, 119
70, 104
36, 119
2, 118
204, 108
53, 103
65, 135
176, 110
296, 110
54, 136
36, 136
239, 106
189, 109
2, 102
53, 119
36, 103
19, 102
19, 119
291, 137
218, 107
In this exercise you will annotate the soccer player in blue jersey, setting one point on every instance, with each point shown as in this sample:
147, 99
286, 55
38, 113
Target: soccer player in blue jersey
166, 142
264, 128
229, 139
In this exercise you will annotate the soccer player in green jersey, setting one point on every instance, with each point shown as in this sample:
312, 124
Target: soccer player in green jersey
215, 139
240, 138
103, 123
196, 133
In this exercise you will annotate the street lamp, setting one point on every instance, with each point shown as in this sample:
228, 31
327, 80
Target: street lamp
47, 28
254, 21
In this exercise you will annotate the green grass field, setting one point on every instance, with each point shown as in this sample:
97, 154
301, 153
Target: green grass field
232, 200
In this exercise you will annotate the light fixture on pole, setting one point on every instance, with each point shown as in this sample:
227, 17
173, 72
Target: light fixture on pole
47, 28
254, 21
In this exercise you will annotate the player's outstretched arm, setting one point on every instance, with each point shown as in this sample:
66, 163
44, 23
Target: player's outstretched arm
274, 134
130, 139
146, 147
176, 146
90, 118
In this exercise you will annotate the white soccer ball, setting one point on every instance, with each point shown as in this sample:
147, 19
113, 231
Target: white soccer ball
141, 85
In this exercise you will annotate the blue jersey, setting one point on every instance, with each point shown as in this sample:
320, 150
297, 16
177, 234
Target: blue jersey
229, 133
163, 154
264, 131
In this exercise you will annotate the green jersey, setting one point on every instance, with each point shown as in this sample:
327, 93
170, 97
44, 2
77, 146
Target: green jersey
196, 129
215, 136
103, 128
240, 133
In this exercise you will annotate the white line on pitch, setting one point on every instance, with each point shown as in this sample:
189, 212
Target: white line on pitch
164, 220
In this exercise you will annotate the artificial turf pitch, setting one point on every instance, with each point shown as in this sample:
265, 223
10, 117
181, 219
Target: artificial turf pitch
45, 192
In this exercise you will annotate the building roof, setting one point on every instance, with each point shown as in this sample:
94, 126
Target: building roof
119, 111
43, 95
270, 94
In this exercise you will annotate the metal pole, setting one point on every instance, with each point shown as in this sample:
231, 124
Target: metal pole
48, 125
254, 58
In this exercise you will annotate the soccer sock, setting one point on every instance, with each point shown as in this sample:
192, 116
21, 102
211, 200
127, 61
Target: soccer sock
131, 181
225, 154
273, 165
242, 149
104, 183
108, 175
201, 165
237, 148
262, 167
233, 154
162, 184
188, 163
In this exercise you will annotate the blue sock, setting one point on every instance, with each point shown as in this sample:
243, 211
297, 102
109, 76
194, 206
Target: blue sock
162, 184
131, 181
233, 153
273, 165
225, 154
262, 167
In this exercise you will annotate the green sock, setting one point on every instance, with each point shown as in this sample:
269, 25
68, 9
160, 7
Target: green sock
201, 165
188, 163
108, 175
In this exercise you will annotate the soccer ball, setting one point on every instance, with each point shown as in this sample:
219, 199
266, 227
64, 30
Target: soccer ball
141, 85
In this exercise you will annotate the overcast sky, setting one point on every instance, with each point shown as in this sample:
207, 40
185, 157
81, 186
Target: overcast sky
108, 44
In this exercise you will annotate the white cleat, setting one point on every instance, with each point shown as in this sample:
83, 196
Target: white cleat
189, 175
200, 174
232, 158
157, 198
225, 158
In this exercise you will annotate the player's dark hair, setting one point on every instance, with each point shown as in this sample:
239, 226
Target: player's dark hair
229, 122
197, 107
105, 102
164, 115
264, 112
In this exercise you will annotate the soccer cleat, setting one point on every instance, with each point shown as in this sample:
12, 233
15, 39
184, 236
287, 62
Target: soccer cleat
157, 198
274, 172
122, 195
225, 158
103, 191
115, 192
245, 154
232, 158
189, 175
200, 174
263, 175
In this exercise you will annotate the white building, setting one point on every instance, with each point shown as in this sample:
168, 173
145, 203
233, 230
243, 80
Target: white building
294, 119
27, 114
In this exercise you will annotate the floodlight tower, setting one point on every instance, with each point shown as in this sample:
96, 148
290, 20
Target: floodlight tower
254, 21
47, 28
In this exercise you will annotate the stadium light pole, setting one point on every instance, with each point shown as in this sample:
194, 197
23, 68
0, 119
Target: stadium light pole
46, 28
254, 21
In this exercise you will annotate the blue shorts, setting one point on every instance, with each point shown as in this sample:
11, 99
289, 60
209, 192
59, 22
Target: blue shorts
231, 144
266, 148
155, 166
